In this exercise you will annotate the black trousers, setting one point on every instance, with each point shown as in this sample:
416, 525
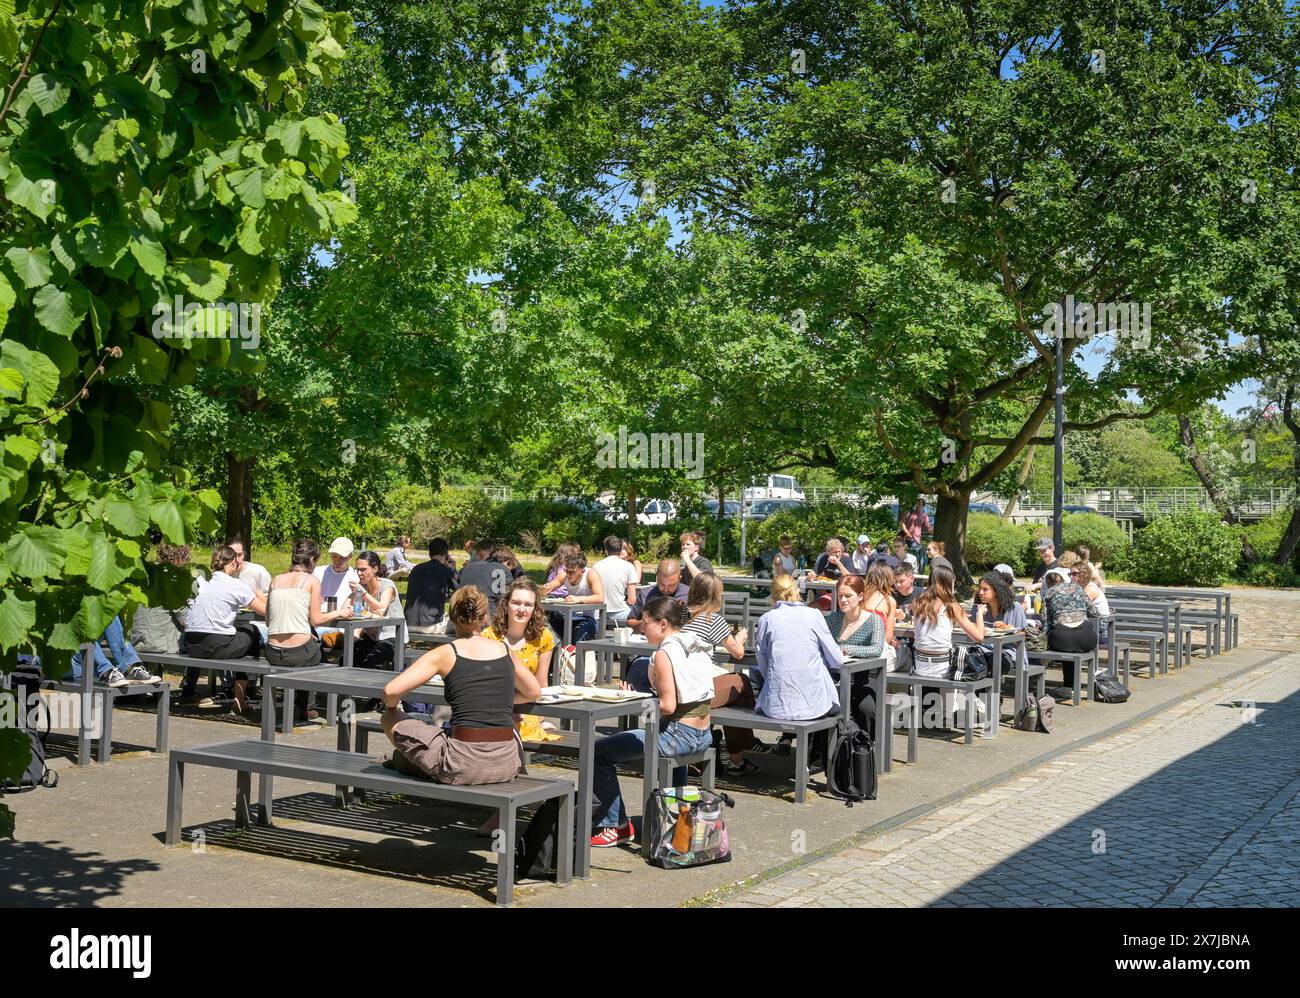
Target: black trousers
244, 642
1081, 638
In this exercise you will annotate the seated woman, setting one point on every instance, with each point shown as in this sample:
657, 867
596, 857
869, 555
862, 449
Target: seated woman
628, 554
1002, 613
521, 624
210, 628
1085, 574
1069, 618
794, 652
375, 648
934, 613
878, 598
682, 675
861, 634
293, 612
482, 683
556, 573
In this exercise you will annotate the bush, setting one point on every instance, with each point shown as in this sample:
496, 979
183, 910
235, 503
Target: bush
1102, 535
810, 524
1187, 548
1266, 573
990, 541
1266, 535
404, 504
469, 513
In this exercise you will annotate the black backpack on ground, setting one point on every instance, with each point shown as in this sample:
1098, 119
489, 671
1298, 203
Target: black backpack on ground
25, 682
851, 773
535, 850
1108, 689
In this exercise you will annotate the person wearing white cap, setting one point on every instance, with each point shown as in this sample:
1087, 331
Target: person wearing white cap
338, 577
860, 559
1007, 572
1069, 617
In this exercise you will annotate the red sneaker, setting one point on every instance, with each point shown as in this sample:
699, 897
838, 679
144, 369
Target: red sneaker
611, 836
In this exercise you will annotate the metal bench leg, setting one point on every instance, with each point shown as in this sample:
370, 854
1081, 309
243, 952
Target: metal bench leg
85, 727
887, 736
914, 727
175, 797
710, 765
164, 716
331, 708
287, 697
968, 711
564, 850
106, 727
243, 788
1078, 680
1093, 665
341, 740
801, 766
506, 856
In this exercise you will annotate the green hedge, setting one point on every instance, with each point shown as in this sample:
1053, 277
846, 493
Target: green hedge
1103, 536
1186, 548
992, 541
811, 524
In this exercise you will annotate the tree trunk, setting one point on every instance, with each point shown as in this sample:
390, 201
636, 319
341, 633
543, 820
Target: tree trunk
950, 527
239, 500
1291, 538
1187, 435
1023, 477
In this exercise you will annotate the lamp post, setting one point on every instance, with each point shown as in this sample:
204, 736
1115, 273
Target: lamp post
1058, 469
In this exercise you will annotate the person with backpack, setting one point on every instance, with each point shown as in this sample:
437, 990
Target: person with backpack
681, 672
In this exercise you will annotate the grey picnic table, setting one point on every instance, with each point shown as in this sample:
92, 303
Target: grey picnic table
1222, 605
353, 683
568, 610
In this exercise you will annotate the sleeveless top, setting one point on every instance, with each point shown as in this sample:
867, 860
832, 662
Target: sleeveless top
288, 611
481, 692
934, 639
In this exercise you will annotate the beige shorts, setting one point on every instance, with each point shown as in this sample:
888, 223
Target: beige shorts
428, 750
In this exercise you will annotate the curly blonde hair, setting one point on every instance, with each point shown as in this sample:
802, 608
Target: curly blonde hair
536, 623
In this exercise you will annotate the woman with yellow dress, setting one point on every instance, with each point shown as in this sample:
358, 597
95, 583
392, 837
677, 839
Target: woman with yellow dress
521, 624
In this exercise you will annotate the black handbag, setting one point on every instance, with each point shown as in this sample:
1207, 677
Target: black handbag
970, 667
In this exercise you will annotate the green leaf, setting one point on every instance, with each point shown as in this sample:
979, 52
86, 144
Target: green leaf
61, 311
130, 516
17, 618
48, 92
31, 265
25, 449
150, 255
41, 373
36, 552
7, 298
248, 185
204, 279
9, 40
105, 572
11, 381
102, 245
167, 514
36, 193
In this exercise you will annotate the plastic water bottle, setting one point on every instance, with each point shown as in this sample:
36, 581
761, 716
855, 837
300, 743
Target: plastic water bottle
358, 604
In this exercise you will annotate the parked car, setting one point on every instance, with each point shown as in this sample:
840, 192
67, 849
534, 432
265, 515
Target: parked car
729, 511
656, 512
775, 487
985, 507
1071, 509
763, 508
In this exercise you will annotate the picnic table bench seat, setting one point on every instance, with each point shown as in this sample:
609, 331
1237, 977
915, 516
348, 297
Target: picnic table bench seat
1081, 659
108, 697
972, 688
747, 717
330, 766
252, 666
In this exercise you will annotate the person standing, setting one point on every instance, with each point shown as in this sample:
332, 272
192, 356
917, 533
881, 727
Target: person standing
1047, 561
399, 566
914, 525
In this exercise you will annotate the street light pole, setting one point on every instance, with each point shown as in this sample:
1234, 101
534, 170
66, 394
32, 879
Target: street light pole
1058, 470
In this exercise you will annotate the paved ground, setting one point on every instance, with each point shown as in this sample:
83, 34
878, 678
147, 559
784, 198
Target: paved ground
1199, 806
95, 840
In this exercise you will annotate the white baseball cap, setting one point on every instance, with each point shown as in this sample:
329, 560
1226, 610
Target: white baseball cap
342, 547
863, 539
1061, 573
1005, 570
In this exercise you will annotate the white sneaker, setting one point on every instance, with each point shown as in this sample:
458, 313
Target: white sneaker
114, 678
140, 676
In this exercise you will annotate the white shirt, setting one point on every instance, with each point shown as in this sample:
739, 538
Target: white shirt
859, 562
214, 608
335, 584
617, 575
255, 576
692, 660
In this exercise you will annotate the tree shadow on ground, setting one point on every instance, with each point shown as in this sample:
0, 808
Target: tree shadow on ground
1152, 844
47, 874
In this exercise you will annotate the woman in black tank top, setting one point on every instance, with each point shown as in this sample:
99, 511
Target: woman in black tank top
482, 684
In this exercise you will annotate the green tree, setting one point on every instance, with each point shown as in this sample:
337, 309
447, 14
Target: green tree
149, 152
925, 180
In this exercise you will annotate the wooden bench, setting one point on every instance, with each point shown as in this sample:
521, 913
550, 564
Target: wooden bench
252, 666
746, 717
329, 766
